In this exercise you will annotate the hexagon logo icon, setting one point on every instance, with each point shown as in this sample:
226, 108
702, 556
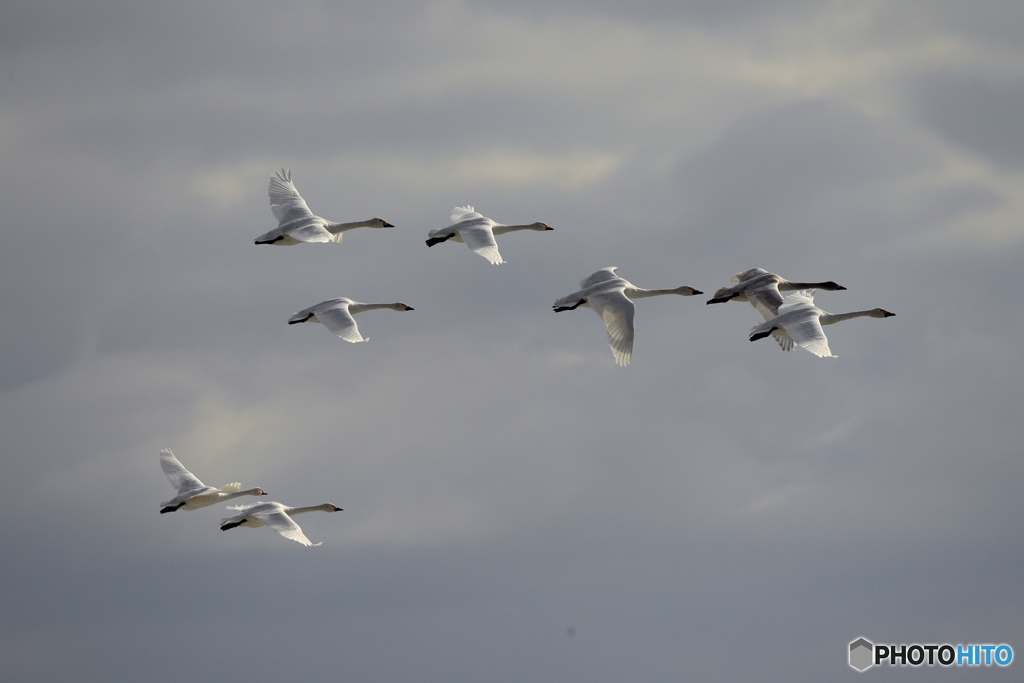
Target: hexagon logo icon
861, 654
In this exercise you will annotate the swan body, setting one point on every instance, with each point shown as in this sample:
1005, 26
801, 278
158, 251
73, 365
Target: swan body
799, 323
336, 316
610, 297
477, 232
762, 289
276, 516
192, 493
296, 223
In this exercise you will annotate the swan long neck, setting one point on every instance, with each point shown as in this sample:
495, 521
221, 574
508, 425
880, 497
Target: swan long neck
247, 492
310, 508
335, 228
502, 229
359, 308
832, 318
640, 293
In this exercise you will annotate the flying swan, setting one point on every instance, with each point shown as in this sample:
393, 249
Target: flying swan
275, 515
477, 232
799, 322
192, 493
336, 316
297, 224
762, 290
609, 295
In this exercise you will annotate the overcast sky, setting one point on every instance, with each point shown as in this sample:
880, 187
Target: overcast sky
516, 506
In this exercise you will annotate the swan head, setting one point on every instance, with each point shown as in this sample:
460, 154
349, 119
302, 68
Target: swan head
831, 286
881, 313
540, 226
687, 291
404, 307
379, 223
259, 492
330, 507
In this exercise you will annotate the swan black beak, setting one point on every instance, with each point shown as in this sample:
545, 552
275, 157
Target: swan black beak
887, 314
696, 292
387, 225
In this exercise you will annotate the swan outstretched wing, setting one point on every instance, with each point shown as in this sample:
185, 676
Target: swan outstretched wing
757, 286
796, 299
339, 321
280, 522
616, 310
181, 479
806, 333
602, 275
285, 201
242, 506
802, 322
479, 238
764, 296
748, 274
784, 340
464, 213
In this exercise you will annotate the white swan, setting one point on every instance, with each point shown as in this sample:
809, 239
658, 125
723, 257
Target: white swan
192, 493
336, 316
762, 288
609, 295
477, 232
799, 322
297, 224
275, 515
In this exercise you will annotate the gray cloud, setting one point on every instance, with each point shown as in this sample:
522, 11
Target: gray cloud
977, 112
700, 12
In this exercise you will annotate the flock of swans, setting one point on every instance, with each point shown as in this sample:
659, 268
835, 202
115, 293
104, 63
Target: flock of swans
193, 494
792, 319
